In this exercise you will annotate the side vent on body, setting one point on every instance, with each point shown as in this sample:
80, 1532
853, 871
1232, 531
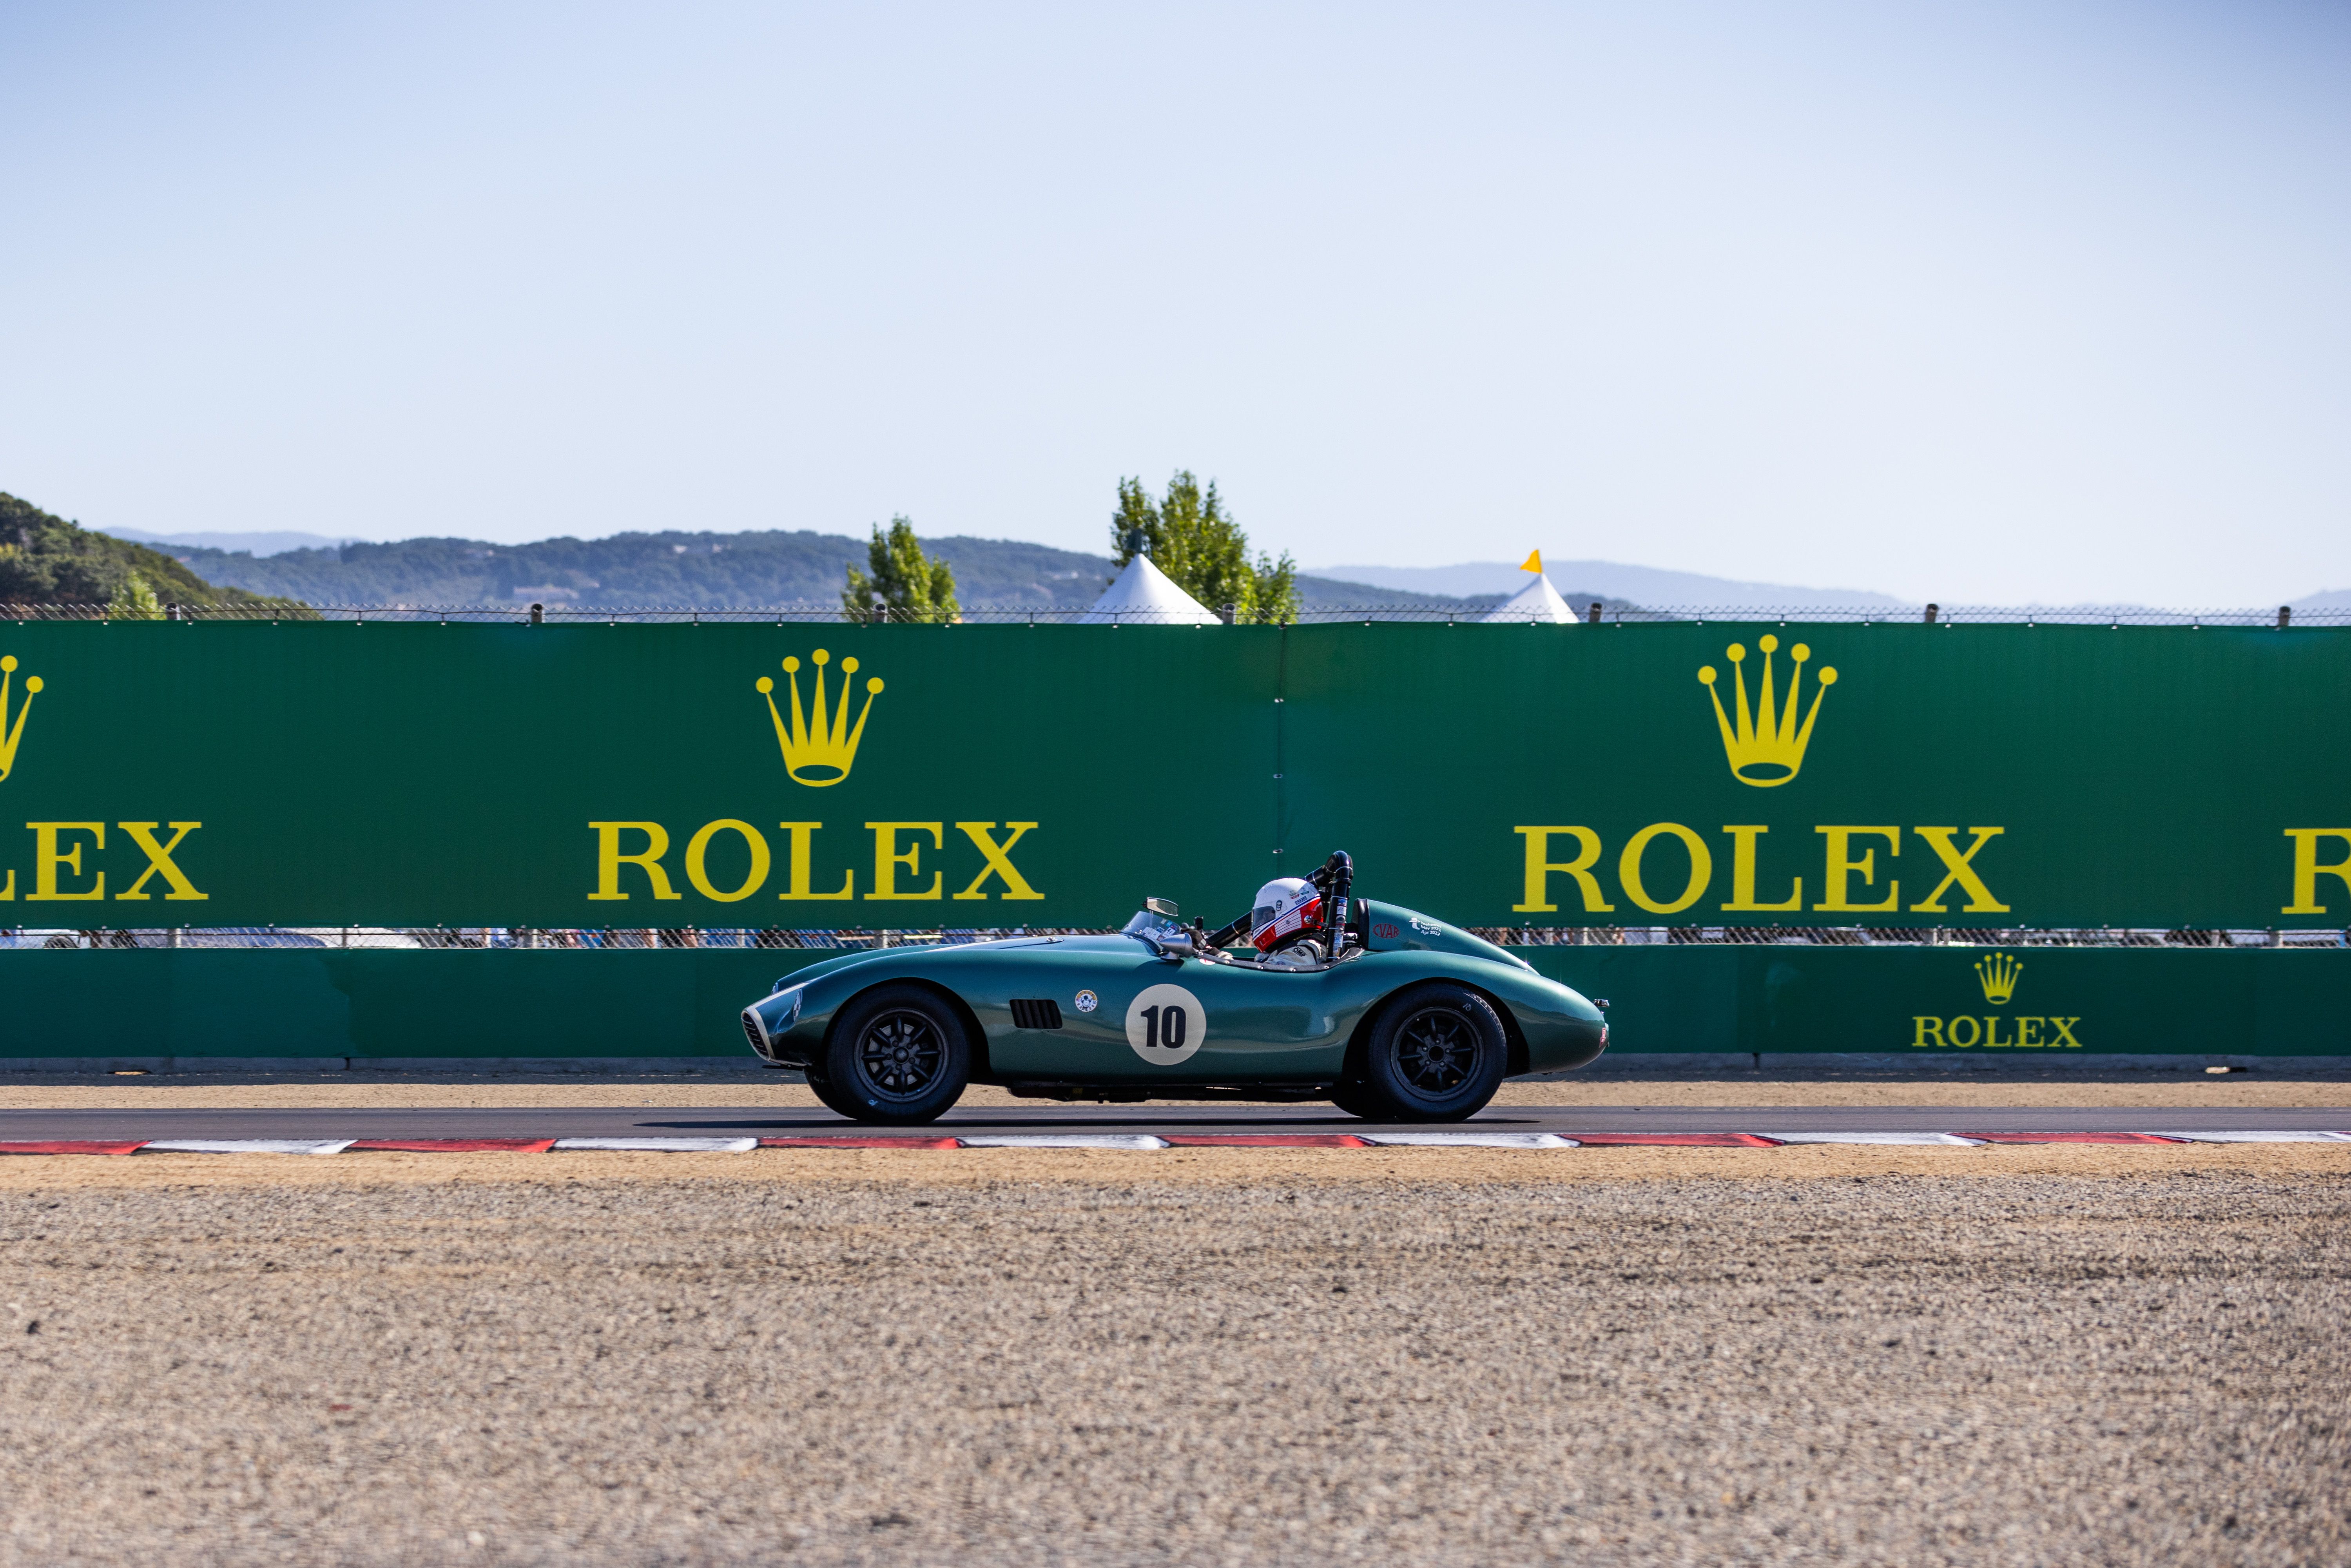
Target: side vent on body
1046, 1014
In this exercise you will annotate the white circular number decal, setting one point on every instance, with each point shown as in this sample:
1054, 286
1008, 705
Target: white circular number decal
1166, 1025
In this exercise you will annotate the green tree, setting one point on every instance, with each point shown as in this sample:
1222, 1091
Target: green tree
904, 585
47, 560
1191, 535
134, 601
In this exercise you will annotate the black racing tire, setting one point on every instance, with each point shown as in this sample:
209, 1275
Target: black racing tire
1436, 1053
822, 1088
1350, 1098
898, 1055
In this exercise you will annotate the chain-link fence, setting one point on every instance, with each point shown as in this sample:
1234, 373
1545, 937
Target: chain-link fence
847, 940
1901, 937
1588, 610
587, 939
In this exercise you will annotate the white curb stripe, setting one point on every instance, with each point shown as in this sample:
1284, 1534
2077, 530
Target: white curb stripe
1905, 1140
664, 1145
2261, 1137
1064, 1141
250, 1146
1472, 1140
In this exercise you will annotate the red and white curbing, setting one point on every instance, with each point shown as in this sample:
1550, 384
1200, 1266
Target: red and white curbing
1130, 1141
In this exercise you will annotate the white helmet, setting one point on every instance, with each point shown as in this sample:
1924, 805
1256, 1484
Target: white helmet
1286, 908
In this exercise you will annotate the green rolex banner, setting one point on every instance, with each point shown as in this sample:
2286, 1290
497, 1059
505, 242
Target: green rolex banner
1885, 775
831, 775
646, 776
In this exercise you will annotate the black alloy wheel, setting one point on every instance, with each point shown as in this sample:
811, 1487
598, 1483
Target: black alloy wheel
1436, 1051
898, 1053
901, 1054
1436, 1055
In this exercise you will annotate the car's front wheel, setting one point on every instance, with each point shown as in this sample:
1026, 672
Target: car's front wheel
1436, 1053
898, 1053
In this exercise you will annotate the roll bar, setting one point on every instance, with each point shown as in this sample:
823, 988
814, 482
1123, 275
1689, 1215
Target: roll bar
1334, 879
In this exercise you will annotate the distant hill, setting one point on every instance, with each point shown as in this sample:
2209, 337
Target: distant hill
46, 559
696, 571
1611, 581
701, 570
705, 570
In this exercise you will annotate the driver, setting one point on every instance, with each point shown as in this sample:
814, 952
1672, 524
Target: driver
1288, 910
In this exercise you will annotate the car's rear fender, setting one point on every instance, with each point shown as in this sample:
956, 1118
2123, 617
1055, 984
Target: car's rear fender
1359, 1041
980, 1071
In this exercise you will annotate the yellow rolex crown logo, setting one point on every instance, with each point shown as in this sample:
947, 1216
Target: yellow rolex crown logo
12, 718
818, 752
1998, 973
1765, 746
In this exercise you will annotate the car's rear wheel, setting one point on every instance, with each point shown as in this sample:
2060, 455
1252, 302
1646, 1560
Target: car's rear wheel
898, 1053
1436, 1053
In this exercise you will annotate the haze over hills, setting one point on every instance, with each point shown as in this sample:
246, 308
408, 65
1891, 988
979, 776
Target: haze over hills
255, 544
1658, 588
1635, 584
709, 570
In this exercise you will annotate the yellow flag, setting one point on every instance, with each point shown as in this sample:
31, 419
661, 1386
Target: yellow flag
1534, 562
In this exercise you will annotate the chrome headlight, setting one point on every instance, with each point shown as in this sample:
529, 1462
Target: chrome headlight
779, 1012
770, 1018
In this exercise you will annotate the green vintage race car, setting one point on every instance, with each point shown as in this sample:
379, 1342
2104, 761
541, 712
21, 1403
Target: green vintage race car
1386, 1013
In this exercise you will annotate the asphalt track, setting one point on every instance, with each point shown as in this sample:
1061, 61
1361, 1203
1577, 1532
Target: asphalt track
770, 1121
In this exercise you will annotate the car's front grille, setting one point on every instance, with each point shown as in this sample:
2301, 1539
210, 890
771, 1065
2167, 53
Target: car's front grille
1044, 1014
751, 1030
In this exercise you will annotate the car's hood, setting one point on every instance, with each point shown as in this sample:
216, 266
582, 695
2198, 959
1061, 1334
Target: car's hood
836, 964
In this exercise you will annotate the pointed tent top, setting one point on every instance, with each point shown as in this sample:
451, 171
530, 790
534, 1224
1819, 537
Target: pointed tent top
1538, 601
1533, 561
1146, 595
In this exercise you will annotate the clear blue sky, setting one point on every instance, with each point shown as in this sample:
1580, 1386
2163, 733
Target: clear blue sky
1974, 303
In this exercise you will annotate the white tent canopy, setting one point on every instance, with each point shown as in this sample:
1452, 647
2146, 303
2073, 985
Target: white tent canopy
1146, 595
1538, 601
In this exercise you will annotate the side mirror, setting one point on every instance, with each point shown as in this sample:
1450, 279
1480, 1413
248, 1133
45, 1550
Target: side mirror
1162, 906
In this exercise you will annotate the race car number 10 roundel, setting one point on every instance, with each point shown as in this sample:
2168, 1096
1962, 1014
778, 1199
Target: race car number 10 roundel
1166, 1025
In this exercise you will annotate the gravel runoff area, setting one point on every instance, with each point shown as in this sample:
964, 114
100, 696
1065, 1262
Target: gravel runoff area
2038, 1356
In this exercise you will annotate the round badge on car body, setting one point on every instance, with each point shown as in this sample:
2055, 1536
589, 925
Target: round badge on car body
1088, 1001
1166, 1024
